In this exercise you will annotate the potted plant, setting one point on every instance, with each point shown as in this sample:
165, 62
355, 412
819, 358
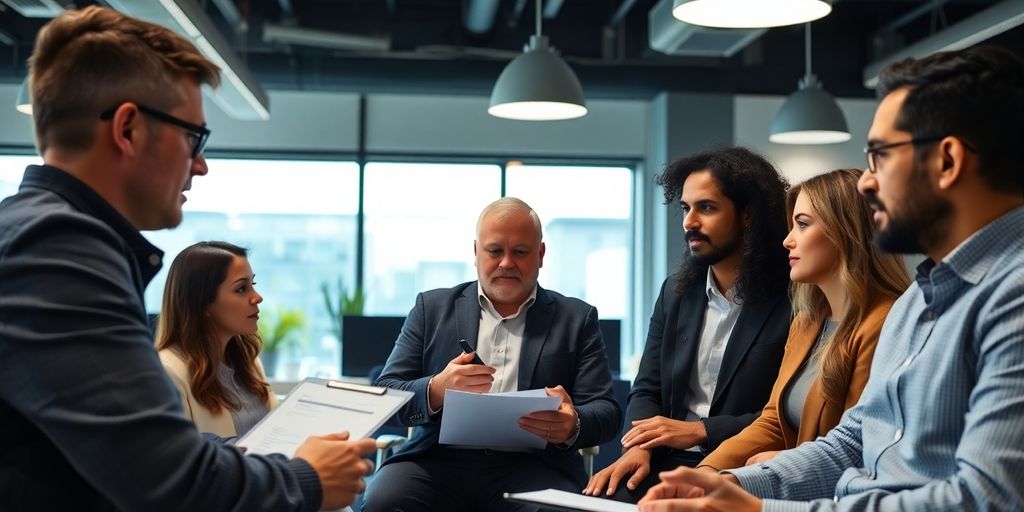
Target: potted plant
279, 331
339, 305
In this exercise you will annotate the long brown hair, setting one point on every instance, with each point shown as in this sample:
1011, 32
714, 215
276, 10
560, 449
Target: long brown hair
184, 326
865, 272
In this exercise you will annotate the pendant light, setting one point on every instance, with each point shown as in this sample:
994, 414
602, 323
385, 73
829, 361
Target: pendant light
537, 85
24, 102
749, 13
810, 115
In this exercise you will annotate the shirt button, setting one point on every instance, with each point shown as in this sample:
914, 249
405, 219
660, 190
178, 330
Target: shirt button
898, 435
154, 259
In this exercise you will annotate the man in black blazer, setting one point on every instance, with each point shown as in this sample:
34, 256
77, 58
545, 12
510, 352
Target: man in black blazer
719, 326
530, 338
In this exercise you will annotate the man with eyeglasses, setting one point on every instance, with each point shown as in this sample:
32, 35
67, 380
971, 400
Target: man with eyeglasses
90, 419
939, 426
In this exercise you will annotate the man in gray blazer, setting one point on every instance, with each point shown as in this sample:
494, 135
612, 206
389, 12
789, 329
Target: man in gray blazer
530, 338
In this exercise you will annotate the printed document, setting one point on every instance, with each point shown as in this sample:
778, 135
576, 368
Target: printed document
491, 420
318, 407
570, 501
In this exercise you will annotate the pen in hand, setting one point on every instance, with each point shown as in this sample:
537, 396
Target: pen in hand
469, 350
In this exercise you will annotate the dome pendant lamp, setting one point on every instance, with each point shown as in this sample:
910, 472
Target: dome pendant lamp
749, 13
810, 115
537, 85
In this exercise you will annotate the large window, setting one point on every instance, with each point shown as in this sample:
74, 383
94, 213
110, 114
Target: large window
297, 218
586, 214
420, 226
12, 167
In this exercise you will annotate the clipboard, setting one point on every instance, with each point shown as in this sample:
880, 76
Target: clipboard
318, 407
561, 500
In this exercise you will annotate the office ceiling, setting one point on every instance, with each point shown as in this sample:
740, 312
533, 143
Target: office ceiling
426, 46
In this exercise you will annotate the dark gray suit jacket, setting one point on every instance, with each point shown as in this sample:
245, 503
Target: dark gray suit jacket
749, 366
562, 345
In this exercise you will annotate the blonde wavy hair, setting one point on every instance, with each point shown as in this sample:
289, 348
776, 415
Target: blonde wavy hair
865, 272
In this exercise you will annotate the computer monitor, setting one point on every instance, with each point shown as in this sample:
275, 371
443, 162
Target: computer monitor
367, 341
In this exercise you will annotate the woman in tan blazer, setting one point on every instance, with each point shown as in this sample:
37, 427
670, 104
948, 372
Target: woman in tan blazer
843, 287
208, 339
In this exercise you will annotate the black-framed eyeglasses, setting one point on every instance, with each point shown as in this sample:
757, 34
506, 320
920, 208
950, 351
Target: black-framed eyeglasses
871, 152
199, 134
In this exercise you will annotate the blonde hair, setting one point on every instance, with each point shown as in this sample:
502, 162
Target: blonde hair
865, 272
89, 60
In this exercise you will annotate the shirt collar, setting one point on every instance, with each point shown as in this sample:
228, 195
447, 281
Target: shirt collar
715, 296
486, 304
87, 201
974, 257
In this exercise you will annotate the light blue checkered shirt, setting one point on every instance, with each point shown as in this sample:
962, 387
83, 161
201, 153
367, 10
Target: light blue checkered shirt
940, 425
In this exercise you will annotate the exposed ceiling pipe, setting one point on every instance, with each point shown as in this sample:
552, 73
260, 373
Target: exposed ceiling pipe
230, 12
273, 33
912, 15
984, 25
552, 7
286, 8
517, 12
621, 12
480, 15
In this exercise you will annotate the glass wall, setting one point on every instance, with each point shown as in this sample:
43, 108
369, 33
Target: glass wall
420, 225
298, 220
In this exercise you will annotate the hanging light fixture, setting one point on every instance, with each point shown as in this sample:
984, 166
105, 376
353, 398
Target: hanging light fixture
749, 13
810, 115
24, 102
537, 85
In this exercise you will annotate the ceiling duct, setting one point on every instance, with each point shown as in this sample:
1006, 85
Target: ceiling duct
239, 95
37, 8
479, 17
323, 39
673, 37
984, 25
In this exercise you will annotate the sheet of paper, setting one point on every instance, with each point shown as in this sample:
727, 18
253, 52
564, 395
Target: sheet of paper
571, 501
492, 419
314, 408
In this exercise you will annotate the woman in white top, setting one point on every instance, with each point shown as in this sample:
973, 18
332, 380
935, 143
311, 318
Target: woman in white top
208, 340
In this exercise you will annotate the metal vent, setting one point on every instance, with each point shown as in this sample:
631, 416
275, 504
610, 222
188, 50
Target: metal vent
673, 37
37, 8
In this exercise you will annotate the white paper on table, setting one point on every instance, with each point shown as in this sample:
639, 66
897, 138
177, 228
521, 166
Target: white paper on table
492, 419
570, 501
315, 409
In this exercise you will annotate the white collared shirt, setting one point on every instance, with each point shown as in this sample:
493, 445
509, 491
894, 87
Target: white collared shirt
500, 340
719, 321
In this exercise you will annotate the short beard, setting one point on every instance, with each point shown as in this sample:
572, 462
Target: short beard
923, 222
693, 270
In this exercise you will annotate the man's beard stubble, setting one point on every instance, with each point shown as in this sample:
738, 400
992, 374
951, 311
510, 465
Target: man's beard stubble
922, 222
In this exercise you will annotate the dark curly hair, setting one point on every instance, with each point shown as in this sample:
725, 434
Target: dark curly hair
976, 94
756, 187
